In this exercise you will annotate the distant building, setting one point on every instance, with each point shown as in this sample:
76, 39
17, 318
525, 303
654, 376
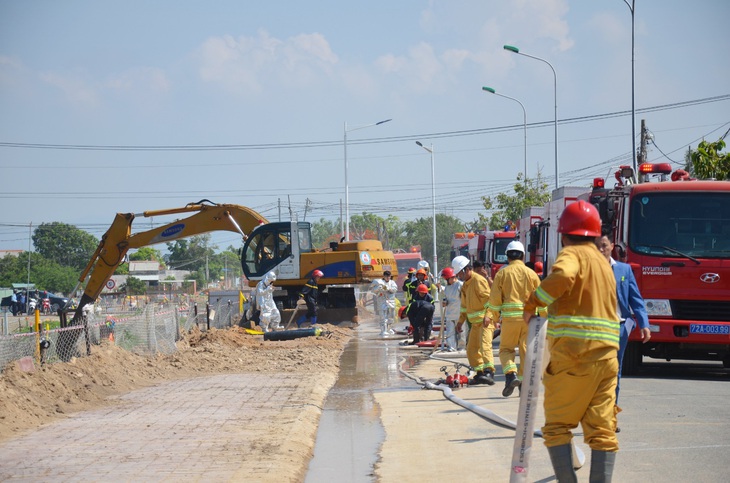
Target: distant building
152, 274
146, 271
14, 253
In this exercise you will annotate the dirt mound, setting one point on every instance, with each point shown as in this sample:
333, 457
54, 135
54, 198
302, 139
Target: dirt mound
30, 399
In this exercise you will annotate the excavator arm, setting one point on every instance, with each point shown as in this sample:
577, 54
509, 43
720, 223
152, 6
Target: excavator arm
118, 239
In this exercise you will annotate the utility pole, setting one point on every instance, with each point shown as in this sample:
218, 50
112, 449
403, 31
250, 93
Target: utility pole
641, 155
27, 286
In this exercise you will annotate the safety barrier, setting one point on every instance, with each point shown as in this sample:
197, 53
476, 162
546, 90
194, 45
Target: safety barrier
150, 330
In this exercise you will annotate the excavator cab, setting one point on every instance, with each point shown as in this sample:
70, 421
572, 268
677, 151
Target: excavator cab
278, 247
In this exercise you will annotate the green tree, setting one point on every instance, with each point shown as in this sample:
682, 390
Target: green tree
45, 274
364, 226
420, 232
507, 207
325, 231
134, 286
708, 162
146, 254
369, 225
226, 264
64, 244
191, 253
200, 279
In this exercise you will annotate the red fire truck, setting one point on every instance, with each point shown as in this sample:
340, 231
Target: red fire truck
675, 234
405, 260
487, 246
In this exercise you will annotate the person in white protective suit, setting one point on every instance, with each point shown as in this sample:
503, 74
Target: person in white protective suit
386, 300
451, 303
270, 316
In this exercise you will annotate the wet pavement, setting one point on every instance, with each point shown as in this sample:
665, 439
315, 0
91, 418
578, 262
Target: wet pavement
350, 432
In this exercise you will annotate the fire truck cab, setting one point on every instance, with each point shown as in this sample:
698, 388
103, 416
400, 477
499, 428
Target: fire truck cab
675, 233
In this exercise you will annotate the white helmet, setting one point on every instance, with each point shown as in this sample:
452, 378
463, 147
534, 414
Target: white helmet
458, 263
422, 264
515, 246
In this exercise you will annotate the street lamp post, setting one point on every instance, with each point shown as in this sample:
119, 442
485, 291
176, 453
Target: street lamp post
524, 120
433, 207
633, 104
347, 186
515, 50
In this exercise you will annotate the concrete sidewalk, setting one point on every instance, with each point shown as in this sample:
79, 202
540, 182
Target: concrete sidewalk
429, 438
234, 427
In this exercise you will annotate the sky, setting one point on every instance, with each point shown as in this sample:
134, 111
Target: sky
121, 107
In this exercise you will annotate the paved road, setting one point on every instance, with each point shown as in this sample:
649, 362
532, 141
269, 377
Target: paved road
675, 427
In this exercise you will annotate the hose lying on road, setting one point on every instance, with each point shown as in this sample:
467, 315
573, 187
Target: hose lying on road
486, 414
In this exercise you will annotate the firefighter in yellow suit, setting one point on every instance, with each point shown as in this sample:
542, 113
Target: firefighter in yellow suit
512, 285
583, 338
474, 301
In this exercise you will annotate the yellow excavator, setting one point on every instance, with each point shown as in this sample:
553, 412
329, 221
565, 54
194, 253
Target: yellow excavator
282, 247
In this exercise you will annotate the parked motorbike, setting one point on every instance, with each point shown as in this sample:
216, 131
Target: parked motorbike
46, 307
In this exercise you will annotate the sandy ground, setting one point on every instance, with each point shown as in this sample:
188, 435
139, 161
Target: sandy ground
49, 393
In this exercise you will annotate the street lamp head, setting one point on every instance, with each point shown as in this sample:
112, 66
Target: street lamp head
512, 48
489, 89
419, 143
382, 122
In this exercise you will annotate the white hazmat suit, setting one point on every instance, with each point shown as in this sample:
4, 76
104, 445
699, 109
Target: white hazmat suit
385, 301
451, 301
270, 316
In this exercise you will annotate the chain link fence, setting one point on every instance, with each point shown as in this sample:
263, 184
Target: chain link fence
151, 330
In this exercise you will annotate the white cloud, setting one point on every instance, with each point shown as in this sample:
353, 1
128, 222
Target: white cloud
609, 27
421, 69
540, 20
145, 79
74, 87
247, 64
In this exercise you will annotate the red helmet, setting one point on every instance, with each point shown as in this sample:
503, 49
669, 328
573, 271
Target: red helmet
580, 218
317, 273
411, 270
421, 271
422, 288
538, 267
447, 272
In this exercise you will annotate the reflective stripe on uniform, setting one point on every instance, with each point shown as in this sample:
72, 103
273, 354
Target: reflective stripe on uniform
583, 328
476, 317
543, 296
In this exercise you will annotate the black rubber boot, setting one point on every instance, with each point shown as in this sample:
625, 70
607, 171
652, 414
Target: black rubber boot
510, 383
489, 378
416, 335
562, 459
602, 466
479, 378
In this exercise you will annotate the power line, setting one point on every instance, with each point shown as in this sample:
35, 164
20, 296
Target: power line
319, 144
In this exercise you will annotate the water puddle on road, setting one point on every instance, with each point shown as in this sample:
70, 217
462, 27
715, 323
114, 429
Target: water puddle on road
350, 432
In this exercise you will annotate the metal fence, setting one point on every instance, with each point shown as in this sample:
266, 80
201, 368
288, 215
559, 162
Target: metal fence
149, 330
